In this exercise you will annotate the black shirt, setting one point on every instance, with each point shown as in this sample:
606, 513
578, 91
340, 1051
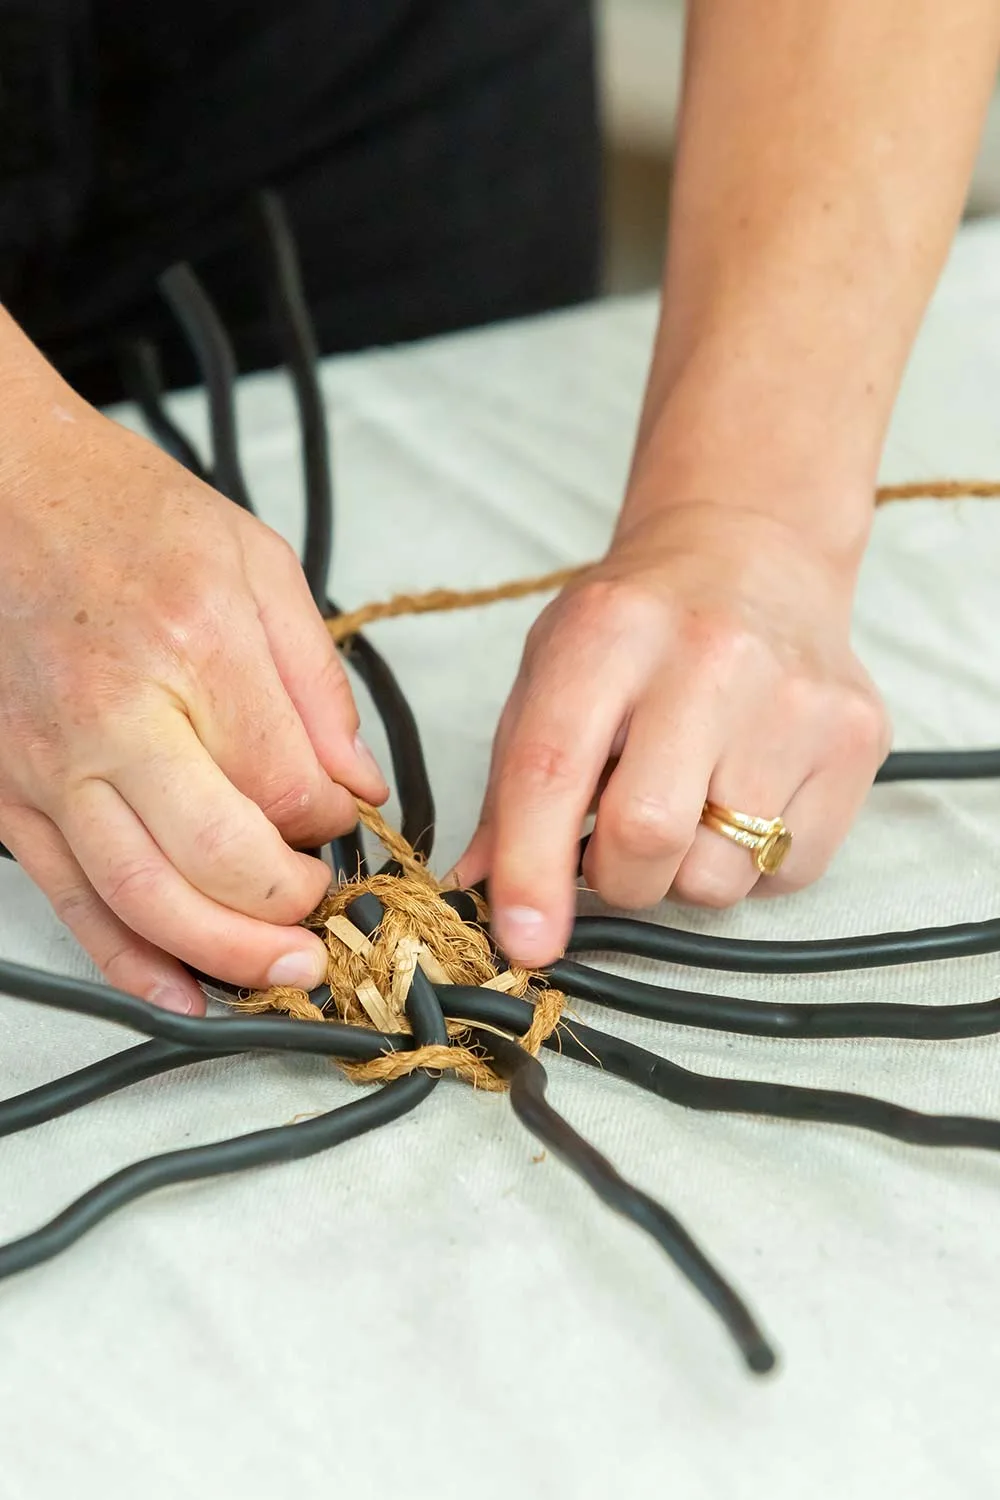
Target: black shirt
438, 158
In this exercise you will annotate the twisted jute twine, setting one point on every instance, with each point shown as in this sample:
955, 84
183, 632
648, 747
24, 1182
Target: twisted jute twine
370, 978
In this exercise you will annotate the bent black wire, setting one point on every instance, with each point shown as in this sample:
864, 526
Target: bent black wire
210, 345
669, 1080
268, 1033
940, 765
142, 378
770, 1018
281, 1143
290, 315
814, 956
528, 1083
64, 1095
258, 1148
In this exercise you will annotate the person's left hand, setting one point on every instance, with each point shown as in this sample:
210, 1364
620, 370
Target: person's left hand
707, 657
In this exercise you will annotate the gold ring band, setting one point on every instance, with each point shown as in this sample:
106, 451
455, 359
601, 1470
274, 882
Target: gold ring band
767, 839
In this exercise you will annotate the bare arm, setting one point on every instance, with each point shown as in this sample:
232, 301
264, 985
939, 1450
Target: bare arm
825, 148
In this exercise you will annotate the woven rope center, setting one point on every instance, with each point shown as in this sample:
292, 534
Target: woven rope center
370, 978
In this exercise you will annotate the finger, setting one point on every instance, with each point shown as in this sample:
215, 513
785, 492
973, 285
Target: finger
310, 670
838, 745
133, 877
823, 811
127, 961
250, 728
553, 753
474, 864
648, 815
218, 839
759, 773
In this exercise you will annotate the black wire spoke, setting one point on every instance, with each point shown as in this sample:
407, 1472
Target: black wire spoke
940, 765
669, 1080
293, 325
406, 752
527, 1096
281, 1143
210, 345
64, 1095
636, 997
816, 956
142, 378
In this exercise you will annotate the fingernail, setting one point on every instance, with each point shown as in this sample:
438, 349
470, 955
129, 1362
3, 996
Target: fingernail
302, 970
367, 759
519, 925
172, 997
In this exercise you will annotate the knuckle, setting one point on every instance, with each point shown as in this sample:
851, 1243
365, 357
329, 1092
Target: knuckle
860, 731
699, 883
131, 882
72, 904
332, 686
612, 605
721, 641
645, 827
540, 766
293, 801
215, 838
117, 963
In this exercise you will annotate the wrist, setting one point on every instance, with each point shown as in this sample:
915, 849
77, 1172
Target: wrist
722, 434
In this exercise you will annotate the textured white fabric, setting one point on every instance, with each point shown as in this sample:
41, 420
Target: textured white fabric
431, 1311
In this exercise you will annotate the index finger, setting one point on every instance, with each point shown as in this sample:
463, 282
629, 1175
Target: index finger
556, 746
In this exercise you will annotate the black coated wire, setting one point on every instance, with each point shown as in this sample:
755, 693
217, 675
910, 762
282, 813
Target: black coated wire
769, 1018
669, 1080
256, 1149
179, 1041
142, 378
210, 345
817, 956
293, 325
409, 766
482, 1007
213, 1034
940, 765
282, 1143
63, 1095
528, 1083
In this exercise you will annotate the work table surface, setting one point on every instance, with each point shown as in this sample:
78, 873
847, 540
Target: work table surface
432, 1310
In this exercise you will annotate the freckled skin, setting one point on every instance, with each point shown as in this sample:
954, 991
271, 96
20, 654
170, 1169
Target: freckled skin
164, 756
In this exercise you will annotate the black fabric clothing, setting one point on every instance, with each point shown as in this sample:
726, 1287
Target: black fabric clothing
439, 160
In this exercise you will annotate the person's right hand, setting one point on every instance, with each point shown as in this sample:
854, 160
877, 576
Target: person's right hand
173, 716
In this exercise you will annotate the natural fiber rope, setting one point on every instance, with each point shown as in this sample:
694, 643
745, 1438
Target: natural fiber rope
434, 601
369, 980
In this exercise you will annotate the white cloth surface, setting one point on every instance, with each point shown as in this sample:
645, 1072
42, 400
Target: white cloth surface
430, 1310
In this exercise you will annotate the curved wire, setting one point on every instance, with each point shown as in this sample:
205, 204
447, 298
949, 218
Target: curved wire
816, 956
767, 1018
282, 1143
940, 765
290, 315
142, 378
210, 345
528, 1083
780, 1101
259, 1147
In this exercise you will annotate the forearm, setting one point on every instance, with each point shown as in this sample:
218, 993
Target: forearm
825, 148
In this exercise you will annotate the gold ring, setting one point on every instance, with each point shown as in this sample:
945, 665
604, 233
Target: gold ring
767, 839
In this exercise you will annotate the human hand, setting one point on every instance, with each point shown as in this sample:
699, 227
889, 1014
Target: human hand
174, 713
707, 657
